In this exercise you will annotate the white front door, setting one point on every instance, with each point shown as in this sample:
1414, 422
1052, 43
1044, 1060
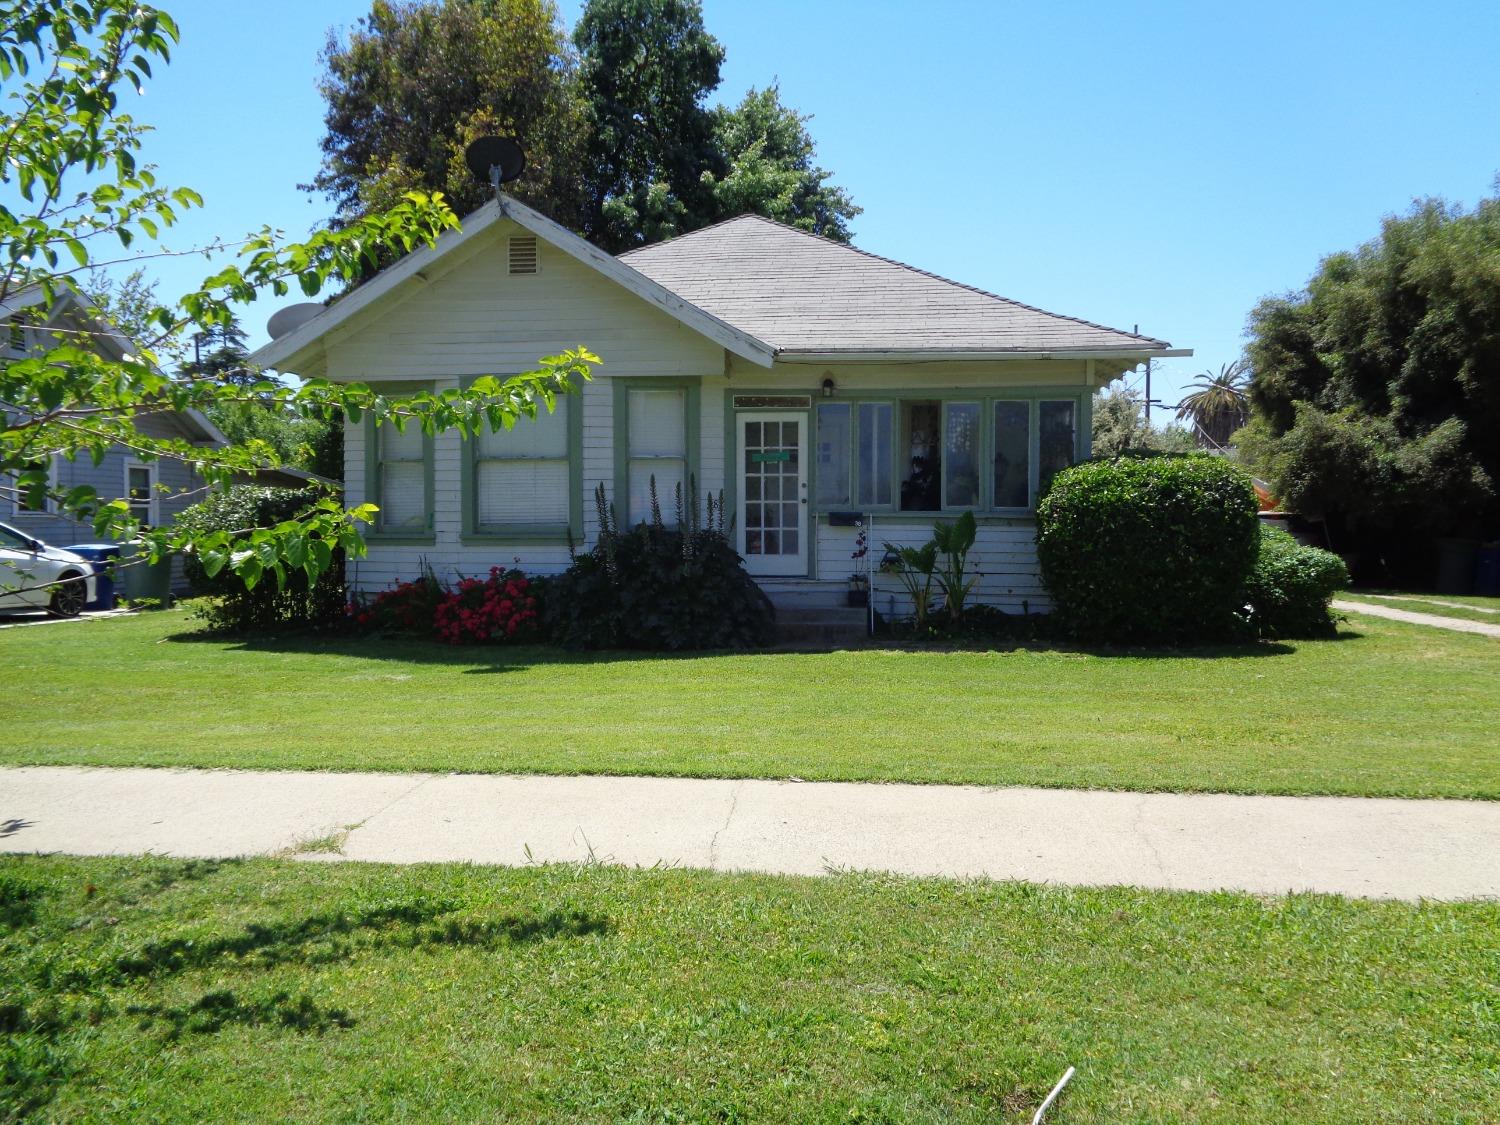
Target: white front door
772, 524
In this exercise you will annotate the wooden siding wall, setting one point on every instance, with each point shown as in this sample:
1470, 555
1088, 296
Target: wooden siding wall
476, 319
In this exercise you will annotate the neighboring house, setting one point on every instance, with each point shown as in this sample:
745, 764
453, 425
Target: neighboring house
808, 381
157, 490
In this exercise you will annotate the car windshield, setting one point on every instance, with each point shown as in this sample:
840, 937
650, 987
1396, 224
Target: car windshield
10, 537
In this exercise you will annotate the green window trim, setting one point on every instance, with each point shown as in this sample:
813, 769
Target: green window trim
692, 403
525, 534
372, 471
984, 397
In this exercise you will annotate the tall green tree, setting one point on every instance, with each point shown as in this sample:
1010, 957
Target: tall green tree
1376, 390
220, 353
1120, 426
416, 81
75, 189
772, 169
647, 69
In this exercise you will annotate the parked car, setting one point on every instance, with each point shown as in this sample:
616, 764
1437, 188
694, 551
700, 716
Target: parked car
36, 576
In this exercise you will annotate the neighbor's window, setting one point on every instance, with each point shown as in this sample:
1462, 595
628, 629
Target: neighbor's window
1012, 454
875, 430
961, 454
400, 485
1056, 425
521, 475
658, 449
833, 454
140, 492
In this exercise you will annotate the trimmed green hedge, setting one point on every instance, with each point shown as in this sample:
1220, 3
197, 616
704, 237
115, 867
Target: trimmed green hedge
1154, 549
1291, 586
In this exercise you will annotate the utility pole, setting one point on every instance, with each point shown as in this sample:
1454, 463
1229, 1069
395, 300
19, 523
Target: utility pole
1136, 330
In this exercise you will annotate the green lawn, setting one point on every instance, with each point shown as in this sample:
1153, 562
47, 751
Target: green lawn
1471, 609
1386, 709
164, 990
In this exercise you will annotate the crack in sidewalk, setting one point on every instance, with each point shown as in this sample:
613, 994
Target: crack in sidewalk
713, 844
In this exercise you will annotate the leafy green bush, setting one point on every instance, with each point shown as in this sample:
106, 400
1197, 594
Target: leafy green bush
655, 587
268, 607
1290, 588
1149, 549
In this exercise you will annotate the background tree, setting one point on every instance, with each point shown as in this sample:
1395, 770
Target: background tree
771, 170
1376, 390
71, 174
219, 354
1218, 407
648, 67
1120, 426
621, 143
415, 82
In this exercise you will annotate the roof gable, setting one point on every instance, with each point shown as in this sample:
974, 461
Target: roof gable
806, 294
297, 347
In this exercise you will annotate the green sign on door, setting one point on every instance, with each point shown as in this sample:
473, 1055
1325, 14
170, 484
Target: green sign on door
771, 455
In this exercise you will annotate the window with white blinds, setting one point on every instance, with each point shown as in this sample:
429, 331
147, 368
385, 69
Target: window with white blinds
521, 475
658, 429
401, 480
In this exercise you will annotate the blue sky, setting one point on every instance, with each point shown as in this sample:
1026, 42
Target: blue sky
1162, 164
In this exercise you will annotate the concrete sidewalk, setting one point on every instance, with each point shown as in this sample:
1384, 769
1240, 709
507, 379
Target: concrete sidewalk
1411, 617
1354, 846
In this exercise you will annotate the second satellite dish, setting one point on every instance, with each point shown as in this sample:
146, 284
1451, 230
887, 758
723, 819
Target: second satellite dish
495, 160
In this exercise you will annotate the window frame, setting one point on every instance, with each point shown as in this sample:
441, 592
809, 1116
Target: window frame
153, 497
374, 532
692, 404
525, 532
852, 452
985, 397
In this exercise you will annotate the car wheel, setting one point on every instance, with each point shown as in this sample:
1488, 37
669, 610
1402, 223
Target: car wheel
69, 598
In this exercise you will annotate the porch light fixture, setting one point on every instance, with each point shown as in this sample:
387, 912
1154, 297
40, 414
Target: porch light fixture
827, 388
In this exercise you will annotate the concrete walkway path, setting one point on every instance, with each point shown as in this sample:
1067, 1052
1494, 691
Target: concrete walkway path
1353, 846
1457, 624
1436, 599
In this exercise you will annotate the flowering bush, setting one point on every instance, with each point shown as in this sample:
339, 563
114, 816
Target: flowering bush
502, 607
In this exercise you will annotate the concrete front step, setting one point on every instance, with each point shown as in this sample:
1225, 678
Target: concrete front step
821, 626
805, 593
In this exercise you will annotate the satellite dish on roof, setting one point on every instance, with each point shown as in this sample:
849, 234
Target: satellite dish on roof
495, 160
291, 318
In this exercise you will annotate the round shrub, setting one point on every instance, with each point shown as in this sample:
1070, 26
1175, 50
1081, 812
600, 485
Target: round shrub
1154, 549
658, 588
1291, 586
268, 607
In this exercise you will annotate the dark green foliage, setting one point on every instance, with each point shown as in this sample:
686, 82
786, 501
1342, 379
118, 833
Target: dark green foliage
1120, 426
1290, 588
622, 145
413, 83
267, 607
1149, 549
660, 588
1376, 390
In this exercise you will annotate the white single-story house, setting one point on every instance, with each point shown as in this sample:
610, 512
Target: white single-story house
814, 384
155, 489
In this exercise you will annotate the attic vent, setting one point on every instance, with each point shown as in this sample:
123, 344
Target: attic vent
523, 254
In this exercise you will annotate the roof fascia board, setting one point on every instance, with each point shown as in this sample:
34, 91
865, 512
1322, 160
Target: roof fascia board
1136, 355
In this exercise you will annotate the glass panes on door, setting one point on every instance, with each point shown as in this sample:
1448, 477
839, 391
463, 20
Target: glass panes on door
772, 488
658, 448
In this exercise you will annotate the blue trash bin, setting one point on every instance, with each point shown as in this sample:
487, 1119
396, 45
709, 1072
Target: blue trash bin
1487, 572
102, 556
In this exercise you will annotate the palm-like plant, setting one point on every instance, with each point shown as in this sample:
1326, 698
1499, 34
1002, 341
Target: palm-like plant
1218, 406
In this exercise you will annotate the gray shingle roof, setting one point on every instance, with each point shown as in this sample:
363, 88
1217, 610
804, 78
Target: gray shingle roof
802, 293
